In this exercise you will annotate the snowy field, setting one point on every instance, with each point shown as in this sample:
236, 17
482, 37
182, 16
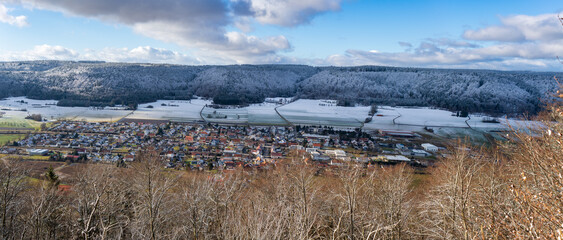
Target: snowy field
418, 118
428, 117
259, 114
461, 133
49, 110
300, 112
323, 112
173, 110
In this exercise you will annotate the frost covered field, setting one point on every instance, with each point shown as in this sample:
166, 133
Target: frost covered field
49, 110
259, 114
303, 111
428, 117
323, 112
173, 110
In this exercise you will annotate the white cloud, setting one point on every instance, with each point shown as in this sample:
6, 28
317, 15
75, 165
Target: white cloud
45, 52
200, 25
285, 12
520, 28
142, 54
204, 28
495, 33
520, 43
5, 17
235, 45
513, 56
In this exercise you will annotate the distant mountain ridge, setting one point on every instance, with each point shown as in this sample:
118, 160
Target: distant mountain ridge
101, 83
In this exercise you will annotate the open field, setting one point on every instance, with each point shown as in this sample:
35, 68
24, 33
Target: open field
38, 168
8, 138
300, 112
173, 110
24, 157
189, 111
14, 108
258, 114
324, 112
18, 122
395, 117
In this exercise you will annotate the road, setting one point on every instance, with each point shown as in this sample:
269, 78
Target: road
282, 117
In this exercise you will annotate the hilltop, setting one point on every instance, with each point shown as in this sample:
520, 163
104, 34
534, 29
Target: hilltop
101, 83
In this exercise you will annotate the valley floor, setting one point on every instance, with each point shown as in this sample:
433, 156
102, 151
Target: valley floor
437, 122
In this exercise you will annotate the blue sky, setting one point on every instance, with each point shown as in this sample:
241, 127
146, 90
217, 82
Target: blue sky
505, 35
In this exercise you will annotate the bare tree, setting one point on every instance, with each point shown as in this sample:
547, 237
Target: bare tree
351, 188
448, 213
537, 181
12, 186
153, 205
493, 206
197, 211
386, 204
102, 202
229, 190
305, 189
47, 216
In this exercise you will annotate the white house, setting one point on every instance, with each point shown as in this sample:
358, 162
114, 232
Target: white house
429, 147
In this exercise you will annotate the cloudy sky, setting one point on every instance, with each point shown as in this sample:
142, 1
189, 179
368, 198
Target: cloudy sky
499, 34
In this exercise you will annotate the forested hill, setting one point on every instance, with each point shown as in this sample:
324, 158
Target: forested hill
99, 83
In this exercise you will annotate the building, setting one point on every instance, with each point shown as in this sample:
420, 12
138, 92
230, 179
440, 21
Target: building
390, 158
315, 136
406, 134
311, 150
429, 147
37, 152
420, 153
397, 158
336, 153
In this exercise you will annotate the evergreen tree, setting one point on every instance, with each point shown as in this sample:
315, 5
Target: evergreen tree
52, 178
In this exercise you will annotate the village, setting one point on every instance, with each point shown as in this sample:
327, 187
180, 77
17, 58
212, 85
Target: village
221, 147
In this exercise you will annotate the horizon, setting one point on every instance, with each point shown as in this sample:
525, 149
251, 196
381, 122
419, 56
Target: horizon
284, 64
504, 35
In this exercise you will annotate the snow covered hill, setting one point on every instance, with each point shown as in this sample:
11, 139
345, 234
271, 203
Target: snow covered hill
99, 83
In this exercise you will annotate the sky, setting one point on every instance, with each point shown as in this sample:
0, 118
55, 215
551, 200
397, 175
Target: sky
475, 34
